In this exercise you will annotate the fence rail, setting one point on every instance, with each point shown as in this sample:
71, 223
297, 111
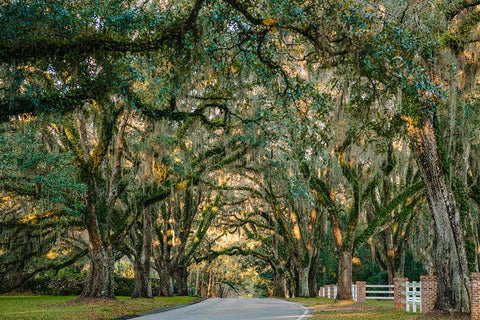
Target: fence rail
408, 296
382, 292
413, 296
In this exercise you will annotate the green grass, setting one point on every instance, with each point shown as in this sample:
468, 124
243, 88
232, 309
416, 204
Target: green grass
67, 308
328, 309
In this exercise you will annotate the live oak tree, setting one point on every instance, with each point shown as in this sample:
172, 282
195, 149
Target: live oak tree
39, 223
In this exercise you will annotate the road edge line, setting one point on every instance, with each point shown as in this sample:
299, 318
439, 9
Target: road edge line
304, 313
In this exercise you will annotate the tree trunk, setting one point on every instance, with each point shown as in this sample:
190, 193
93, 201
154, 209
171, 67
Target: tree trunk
303, 286
344, 285
197, 280
165, 287
143, 282
389, 255
278, 282
180, 276
312, 280
100, 276
450, 254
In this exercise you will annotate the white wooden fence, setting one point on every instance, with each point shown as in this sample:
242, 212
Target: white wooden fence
379, 292
413, 297
408, 296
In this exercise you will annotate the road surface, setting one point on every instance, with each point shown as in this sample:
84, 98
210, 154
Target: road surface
234, 309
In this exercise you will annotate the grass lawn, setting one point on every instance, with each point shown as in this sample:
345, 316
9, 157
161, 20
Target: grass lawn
328, 309
70, 308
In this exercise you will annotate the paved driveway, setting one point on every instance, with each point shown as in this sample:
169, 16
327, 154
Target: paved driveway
234, 309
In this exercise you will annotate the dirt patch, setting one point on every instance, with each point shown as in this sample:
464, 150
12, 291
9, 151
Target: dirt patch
436, 314
85, 300
343, 306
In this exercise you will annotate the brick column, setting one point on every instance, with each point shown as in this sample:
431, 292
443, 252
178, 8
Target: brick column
399, 293
429, 292
361, 291
475, 306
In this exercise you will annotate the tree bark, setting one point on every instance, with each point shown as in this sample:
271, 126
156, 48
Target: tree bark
312, 280
100, 282
344, 285
143, 282
389, 254
180, 276
278, 282
165, 285
303, 286
450, 255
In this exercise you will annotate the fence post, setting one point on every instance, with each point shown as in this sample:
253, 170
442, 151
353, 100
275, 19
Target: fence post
429, 292
361, 291
475, 306
332, 291
399, 291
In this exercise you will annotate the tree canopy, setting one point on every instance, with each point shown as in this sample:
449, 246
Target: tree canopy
154, 131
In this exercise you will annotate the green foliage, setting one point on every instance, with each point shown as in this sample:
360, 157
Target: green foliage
65, 283
383, 214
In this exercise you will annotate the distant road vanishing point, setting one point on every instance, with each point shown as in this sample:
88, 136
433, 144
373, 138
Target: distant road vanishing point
234, 309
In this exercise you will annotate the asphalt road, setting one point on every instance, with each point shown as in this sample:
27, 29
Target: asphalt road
234, 309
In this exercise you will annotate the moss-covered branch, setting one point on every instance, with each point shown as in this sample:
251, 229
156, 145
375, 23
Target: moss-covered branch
382, 215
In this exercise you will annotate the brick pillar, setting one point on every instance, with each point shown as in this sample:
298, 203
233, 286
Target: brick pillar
399, 293
429, 292
330, 291
475, 306
321, 292
361, 291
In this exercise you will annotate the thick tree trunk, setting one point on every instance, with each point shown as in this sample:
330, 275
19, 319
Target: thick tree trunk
165, 284
180, 276
312, 280
100, 276
278, 282
143, 282
344, 285
303, 286
450, 254
165, 287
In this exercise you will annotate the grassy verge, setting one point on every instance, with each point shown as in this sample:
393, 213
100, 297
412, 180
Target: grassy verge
328, 309
70, 308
